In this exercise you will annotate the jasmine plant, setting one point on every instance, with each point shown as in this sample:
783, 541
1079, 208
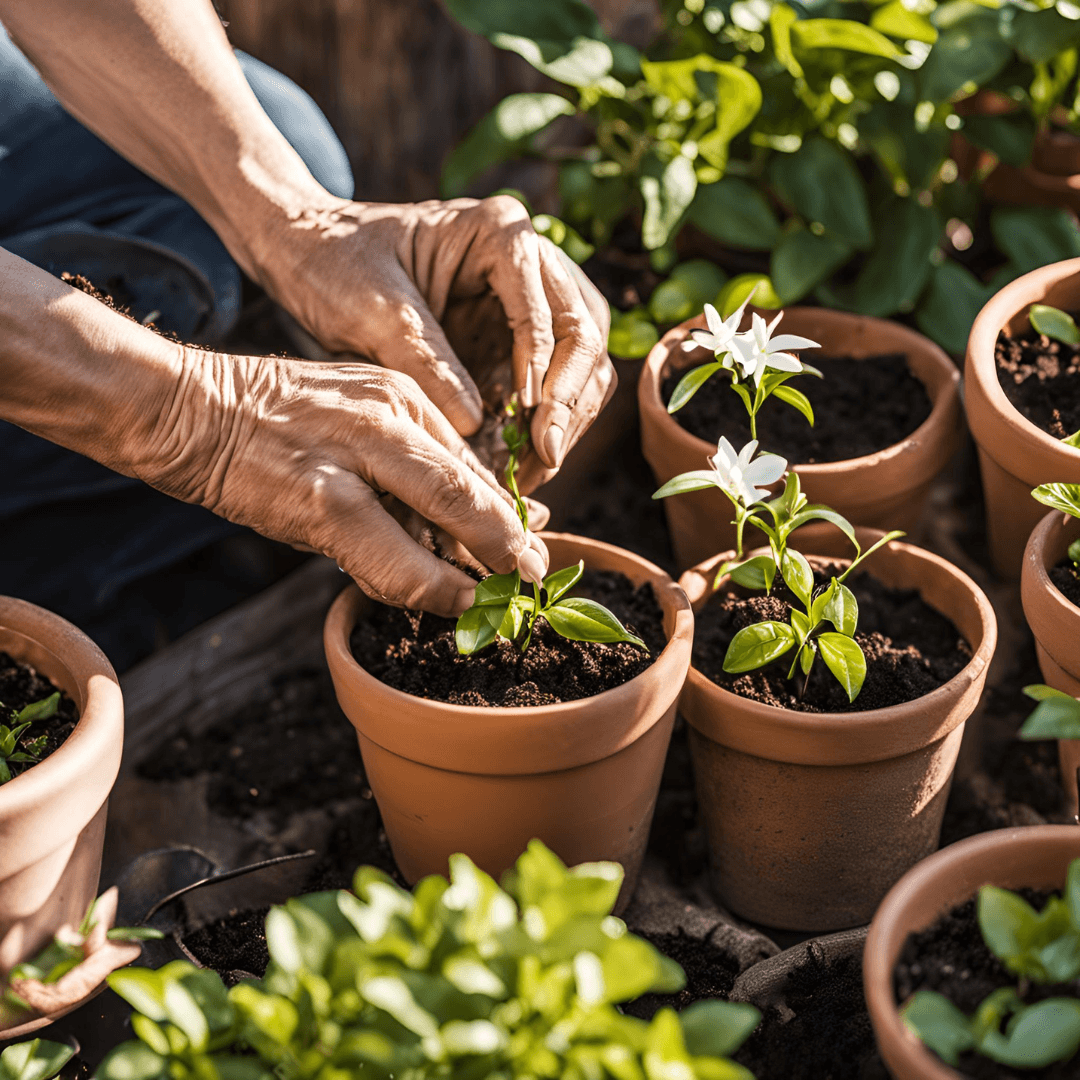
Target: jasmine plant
502, 609
18, 721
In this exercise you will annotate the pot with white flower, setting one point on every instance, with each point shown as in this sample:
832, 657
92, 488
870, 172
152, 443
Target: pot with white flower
867, 440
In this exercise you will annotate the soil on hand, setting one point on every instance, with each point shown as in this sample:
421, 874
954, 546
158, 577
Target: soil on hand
1066, 579
860, 407
910, 648
415, 652
1041, 379
21, 685
951, 958
234, 946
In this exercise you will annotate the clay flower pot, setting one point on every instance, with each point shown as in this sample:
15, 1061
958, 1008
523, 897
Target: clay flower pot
811, 817
52, 817
885, 490
1055, 622
1035, 857
1015, 455
582, 776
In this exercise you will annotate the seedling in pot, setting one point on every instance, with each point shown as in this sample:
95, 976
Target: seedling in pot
759, 363
502, 609
1037, 946
1066, 498
29, 751
1057, 715
1059, 325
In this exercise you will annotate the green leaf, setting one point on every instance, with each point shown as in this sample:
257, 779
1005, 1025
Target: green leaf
134, 933
1039, 36
696, 480
797, 575
132, 1061
845, 659
665, 1056
478, 627
842, 610
702, 280
1063, 497
756, 573
1011, 137
38, 710
667, 197
802, 260
496, 589
1073, 440
781, 19
948, 309
37, 1059
271, 1015
142, 989
556, 585
1037, 1036
501, 135
971, 50
738, 100
717, 1028
899, 21
823, 513
672, 302
757, 645
632, 334
797, 399
800, 623
843, 34
1033, 236
1008, 924
690, 384
739, 288
1053, 718
940, 1024
183, 1010
579, 619
820, 181
1054, 323
735, 213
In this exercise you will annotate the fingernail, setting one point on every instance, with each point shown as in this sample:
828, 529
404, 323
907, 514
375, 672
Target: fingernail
531, 566
463, 601
554, 441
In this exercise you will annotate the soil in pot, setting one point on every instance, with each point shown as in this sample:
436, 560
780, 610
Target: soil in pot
234, 944
1041, 379
860, 407
21, 685
910, 648
415, 652
1066, 579
951, 957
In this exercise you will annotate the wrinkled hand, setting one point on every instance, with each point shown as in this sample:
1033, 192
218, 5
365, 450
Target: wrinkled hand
385, 281
303, 451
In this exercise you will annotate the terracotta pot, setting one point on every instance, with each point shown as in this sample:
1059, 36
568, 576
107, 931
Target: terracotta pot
1035, 857
884, 490
811, 817
1055, 622
52, 817
1014, 454
582, 776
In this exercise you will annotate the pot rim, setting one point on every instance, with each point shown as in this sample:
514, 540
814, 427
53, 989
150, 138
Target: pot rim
460, 722
1036, 572
658, 358
773, 724
891, 925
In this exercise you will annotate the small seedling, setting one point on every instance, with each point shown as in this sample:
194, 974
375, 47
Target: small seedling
1057, 715
502, 609
1066, 498
31, 751
1059, 325
759, 363
1041, 947
38, 1059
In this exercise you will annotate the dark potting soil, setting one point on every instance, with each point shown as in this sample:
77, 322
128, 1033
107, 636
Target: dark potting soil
861, 406
1066, 579
910, 649
21, 685
1041, 379
415, 652
951, 957
233, 945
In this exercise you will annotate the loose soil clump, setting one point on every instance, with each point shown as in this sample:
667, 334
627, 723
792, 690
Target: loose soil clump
860, 407
21, 685
1066, 579
910, 648
1041, 379
234, 946
415, 652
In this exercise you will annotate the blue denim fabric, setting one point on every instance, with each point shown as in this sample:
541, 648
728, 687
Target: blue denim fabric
75, 536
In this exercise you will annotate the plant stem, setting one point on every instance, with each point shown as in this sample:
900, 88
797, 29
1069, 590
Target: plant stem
753, 424
532, 618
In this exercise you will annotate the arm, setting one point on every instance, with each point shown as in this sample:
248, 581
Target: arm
157, 80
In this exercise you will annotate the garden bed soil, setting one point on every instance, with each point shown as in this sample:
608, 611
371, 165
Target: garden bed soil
1041, 379
951, 958
21, 685
860, 407
910, 648
1066, 579
415, 652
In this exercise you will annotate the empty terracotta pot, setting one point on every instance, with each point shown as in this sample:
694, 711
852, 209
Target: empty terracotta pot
1014, 454
52, 817
811, 817
582, 775
1055, 622
885, 490
1035, 857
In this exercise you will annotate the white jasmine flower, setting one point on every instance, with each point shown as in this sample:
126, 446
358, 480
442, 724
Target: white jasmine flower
757, 350
720, 335
742, 477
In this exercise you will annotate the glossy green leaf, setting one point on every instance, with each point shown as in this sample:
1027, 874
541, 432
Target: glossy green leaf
152, 1034
756, 573
667, 197
672, 302
797, 575
696, 480
1053, 718
272, 1015
580, 619
1074, 441
1059, 496
845, 659
939, 1023
134, 933
38, 710
37, 1059
477, 627
556, 585
1037, 1035
800, 623
899, 21
1011, 137
1033, 236
757, 645
702, 280
632, 334
842, 34
803, 259
1054, 323
690, 384
823, 513
132, 1061
142, 989
757, 286
182, 1010
797, 399
1039, 36
1009, 925
717, 1028
971, 50
842, 610
735, 213
947, 310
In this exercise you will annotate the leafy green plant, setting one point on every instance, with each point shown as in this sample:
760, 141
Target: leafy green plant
1066, 498
36, 1059
501, 609
455, 979
31, 750
1038, 946
1056, 716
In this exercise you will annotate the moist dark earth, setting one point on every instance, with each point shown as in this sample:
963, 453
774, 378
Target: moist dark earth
1041, 377
21, 685
861, 406
415, 652
910, 649
1066, 578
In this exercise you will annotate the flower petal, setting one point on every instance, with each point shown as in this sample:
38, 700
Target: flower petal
712, 317
767, 469
785, 342
783, 361
726, 452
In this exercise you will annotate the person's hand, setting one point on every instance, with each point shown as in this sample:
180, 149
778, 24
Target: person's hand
302, 452
382, 281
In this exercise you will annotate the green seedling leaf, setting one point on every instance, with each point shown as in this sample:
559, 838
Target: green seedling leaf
690, 384
1074, 441
37, 1059
806, 657
797, 400
1063, 497
696, 480
717, 1028
1036, 1036
813, 512
132, 1061
142, 989
478, 627
755, 646
845, 659
801, 625
842, 609
38, 710
562, 581
1054, 323
1009, 926
134, 933
940, 1024
797, 575
585, 620
1057, 716
817, 608
756, 573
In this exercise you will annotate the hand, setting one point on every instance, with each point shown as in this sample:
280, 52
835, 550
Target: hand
379, 281
303, 451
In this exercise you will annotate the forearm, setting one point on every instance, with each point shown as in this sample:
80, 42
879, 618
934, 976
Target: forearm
157, 80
